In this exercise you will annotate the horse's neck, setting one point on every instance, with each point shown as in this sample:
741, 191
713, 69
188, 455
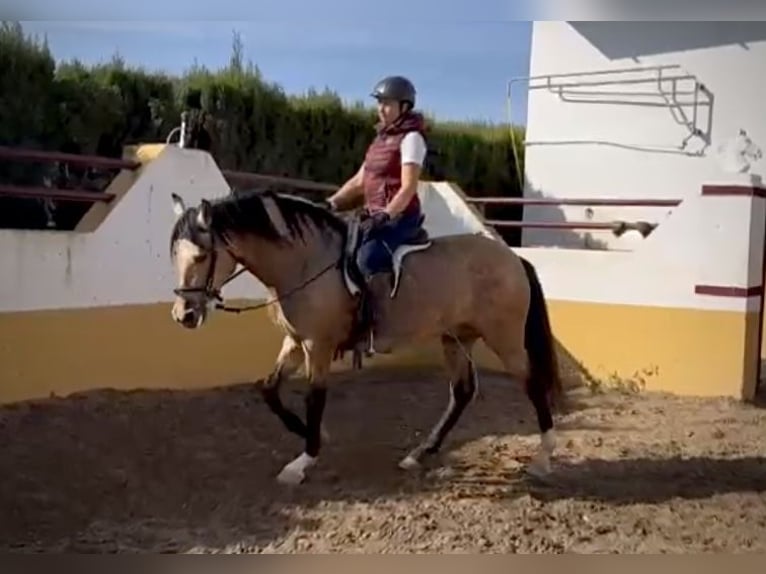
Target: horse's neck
283, 266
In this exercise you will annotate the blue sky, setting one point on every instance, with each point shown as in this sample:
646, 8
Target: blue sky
459, 59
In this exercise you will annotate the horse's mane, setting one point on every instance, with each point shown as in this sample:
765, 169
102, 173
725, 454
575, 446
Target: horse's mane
245, 212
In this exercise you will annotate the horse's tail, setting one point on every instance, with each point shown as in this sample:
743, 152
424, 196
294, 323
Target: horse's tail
539, 341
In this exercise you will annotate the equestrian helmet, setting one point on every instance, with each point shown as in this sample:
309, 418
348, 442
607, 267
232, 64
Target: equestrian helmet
396, 88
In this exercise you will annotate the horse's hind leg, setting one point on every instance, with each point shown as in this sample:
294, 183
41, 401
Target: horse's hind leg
457, 354
541, 464
511, 351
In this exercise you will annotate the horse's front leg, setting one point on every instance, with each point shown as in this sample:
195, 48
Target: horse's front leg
317, 367
289, 360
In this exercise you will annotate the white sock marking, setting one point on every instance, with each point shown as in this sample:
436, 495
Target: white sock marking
548, 441
541, 464
408, 463
295, 471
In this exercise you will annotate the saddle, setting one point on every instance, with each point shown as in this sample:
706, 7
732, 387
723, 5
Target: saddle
357, 286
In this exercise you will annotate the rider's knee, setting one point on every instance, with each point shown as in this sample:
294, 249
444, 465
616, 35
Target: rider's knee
369, 257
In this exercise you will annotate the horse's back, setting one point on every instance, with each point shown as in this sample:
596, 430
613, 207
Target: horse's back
477, 251
464, 271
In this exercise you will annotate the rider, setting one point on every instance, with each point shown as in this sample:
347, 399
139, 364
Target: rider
387, 181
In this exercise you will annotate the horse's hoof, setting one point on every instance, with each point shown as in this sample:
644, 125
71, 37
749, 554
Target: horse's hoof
295, 472
409, 463
291, 476
539, 469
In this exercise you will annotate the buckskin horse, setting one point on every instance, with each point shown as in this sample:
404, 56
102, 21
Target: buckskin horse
457, 288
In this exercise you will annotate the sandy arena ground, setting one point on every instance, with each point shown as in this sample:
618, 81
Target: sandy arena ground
109, 471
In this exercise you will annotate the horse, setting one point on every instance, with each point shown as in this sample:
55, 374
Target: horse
458, 289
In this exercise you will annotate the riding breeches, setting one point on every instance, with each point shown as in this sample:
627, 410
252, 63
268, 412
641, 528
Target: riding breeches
377, 247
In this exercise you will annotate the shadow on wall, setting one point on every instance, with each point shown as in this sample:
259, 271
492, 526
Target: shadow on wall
617, 40
512, 236
563, 238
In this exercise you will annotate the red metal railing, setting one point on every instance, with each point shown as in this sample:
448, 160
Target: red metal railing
599, 202
19, 154
249, 177
552, 224
616, 227
55, 193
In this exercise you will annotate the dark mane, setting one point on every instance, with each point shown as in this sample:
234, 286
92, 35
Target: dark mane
245, 212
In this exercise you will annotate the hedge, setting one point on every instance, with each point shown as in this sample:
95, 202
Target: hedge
253, 124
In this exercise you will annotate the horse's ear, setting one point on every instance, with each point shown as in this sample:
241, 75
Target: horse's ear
178, 205
204, 214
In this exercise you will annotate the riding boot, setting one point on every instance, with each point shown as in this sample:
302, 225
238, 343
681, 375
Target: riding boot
368, 316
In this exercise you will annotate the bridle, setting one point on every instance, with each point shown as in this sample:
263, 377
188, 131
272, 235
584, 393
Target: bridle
211, 293
207, 290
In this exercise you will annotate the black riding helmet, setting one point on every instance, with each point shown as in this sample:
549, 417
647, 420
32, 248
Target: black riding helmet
396, 88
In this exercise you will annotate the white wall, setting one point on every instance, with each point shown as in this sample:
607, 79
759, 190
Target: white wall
447, 213
708, 240
728, 57
126, 260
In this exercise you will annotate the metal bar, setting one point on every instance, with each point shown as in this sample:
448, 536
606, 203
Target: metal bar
55, 193
575, 201
617, 102
549, 77
632, 81
184, 129
677, 150
19, 154
633, 94
599, 72
696, 100
244, 176
553, 224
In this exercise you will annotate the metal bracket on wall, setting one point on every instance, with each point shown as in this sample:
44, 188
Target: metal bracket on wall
577, 87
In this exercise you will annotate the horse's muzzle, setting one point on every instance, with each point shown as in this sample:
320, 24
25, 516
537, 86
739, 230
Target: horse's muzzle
189, 316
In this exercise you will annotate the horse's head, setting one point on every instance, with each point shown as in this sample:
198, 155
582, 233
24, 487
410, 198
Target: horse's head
201, 261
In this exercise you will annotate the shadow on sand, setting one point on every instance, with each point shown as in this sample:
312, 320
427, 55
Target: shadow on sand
169, 471
174, 471
635, 480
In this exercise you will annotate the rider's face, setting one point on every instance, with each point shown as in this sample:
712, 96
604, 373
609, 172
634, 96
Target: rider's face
388, 111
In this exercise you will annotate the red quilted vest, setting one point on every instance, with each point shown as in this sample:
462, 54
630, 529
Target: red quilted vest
382, 164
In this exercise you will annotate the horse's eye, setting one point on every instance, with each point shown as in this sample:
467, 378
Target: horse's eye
199, 258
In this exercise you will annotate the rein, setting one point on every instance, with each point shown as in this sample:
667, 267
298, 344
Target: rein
212, 293
223, 307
